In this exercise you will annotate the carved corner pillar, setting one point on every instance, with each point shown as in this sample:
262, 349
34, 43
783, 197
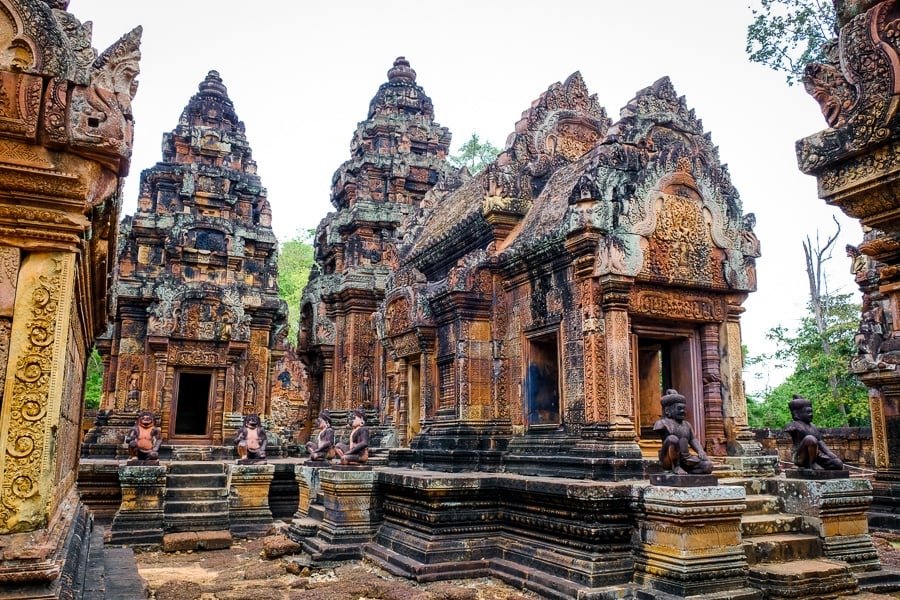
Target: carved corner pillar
610, 431
33, 393
619, 409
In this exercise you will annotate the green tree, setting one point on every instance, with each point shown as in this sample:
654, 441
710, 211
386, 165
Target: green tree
786, 35
295, 259
93, 385
475, 155
838, 397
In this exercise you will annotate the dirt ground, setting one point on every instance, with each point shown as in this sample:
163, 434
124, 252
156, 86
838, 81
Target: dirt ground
244, 572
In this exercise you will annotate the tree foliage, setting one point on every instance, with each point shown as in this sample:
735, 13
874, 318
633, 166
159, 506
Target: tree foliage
475, 155
786, 35
93, 385
295, 259
822, 378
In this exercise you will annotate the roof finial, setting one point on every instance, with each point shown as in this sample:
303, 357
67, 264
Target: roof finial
401, 70
213, 85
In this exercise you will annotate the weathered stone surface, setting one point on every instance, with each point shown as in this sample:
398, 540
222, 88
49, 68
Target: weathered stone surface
690, 542
140, 517
183, 541
249, 510
279, 545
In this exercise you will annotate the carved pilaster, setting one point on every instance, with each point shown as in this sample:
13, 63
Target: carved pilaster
401, 419
32, 393
593, 331
619, 364
712, 389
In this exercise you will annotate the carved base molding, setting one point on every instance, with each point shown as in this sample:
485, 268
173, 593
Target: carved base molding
47, 564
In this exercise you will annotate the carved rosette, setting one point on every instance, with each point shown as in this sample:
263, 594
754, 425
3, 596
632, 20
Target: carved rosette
31, 393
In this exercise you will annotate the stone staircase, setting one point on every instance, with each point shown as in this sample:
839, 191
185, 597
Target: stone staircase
784, 560
196, 497
786, 555
304, 526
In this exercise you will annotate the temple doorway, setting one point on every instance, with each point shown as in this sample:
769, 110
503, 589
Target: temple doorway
665, 358
414, 414
191, 409
542, 380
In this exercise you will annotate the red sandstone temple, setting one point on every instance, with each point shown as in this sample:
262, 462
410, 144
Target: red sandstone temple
198, 324
542, 305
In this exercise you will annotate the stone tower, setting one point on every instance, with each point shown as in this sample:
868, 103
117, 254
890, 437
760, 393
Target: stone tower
397, 154
198, 321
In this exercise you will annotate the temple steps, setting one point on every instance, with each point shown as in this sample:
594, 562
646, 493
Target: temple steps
817, 579
112, 572
196, 497
760, 525
781, 548
762, 504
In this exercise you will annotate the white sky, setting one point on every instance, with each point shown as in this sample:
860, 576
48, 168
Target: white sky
301, 75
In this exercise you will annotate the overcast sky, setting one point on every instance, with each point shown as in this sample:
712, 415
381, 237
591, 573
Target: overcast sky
301, 75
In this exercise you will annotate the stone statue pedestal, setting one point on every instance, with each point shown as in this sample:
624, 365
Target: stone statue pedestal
352, 513
688, 480
836, 510
690, 544
139, 520
249, 511
816, 474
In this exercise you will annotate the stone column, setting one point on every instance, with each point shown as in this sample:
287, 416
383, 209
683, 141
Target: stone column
690, 544
249, 511
140, 517
611, 436
352, 514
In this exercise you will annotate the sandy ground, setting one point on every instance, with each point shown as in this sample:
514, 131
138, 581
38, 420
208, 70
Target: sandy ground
244, 573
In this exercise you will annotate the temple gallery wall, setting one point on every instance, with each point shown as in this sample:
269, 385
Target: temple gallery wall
532, 373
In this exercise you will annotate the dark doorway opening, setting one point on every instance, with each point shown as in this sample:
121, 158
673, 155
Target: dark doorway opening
542, 381
665, 358
192, 405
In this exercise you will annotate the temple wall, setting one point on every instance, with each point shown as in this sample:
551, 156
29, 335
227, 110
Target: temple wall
852, 444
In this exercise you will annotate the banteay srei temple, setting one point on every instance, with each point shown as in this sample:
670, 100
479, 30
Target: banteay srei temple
532, 373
